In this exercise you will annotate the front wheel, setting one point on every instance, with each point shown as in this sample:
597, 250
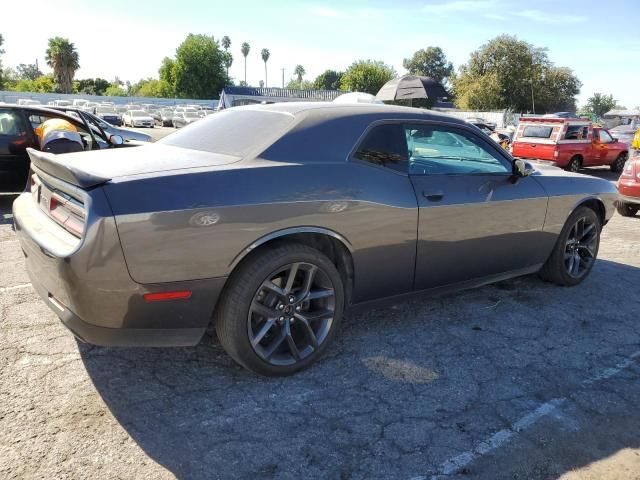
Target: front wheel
626, 209
280, 310
618, 165
576, 249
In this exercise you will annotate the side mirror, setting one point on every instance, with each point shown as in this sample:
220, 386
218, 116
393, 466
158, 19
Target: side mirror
522, 168
615, 140
116, 140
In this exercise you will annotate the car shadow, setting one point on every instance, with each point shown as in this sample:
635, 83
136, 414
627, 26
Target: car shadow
601, 172
403, 389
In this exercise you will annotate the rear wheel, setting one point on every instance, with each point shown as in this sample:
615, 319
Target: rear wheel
626, 209
618, 165
280, 310
576, 249
574, 165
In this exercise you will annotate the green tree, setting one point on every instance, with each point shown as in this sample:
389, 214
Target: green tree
10, 78
519, 75
245, 51
198, 69
296, 85
42, 84
429, 62
366, 76
299, 72
328, 80
62, 57
151, 87
115, 91
265, 57
600, 104
28, 71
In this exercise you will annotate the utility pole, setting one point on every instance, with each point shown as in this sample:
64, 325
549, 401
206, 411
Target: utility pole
282, 77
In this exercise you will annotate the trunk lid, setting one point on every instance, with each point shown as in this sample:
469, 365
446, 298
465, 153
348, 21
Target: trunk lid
90, 169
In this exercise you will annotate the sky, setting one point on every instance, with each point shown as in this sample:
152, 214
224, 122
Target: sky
599, 41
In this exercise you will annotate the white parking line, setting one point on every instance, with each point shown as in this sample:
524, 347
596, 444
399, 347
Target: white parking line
454, 464
15, 287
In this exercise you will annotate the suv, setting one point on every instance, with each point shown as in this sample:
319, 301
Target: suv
570, 143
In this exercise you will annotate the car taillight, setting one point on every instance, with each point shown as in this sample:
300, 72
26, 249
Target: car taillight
556, 153
67, 212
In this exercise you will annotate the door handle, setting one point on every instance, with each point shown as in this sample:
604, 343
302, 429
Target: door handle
433, 196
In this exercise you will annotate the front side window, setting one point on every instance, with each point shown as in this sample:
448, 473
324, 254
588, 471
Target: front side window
439, 150
385, 145
605, 137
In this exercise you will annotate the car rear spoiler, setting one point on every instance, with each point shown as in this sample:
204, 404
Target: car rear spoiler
56, 166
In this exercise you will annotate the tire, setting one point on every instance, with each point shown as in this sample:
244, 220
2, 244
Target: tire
574, 165
626, 209
556, 268
236, 317
618, 165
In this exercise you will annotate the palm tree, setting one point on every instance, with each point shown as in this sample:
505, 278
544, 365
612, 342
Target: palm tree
63, 58
227, 58
265, 56
226, 43
245, 51
299, 71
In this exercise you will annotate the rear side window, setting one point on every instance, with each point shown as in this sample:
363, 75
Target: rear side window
537, 131
385, 145
11, 124
576, 132
232, 132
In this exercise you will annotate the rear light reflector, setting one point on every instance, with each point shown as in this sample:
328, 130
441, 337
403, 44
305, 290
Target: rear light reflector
164, 296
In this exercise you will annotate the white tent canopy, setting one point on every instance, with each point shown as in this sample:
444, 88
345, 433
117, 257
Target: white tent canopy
356, 97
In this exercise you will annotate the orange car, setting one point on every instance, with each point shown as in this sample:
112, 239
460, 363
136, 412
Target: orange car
629, 188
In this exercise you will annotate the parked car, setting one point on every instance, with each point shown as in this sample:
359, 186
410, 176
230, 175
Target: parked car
568, 143
276, 218
164, 117
26, 101
629, 188
109, 114
182, 119
90, 107
477, 120
137, 118
91, 119
17, 133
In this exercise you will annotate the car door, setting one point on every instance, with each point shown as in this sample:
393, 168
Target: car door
476, 219
14, 161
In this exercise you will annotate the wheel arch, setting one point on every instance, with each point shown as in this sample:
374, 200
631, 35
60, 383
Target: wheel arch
594, 203
330, 243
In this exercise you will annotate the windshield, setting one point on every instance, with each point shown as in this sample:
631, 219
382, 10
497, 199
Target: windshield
138, 113
232, 132
191, 115
104, 110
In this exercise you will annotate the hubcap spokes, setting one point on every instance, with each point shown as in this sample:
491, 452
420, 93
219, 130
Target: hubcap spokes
291, 313
581, 246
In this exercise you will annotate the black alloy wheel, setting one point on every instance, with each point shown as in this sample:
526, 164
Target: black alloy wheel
291, 314
580, 247
280, 309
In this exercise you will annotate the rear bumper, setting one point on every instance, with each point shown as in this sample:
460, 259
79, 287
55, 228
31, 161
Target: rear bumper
88, 285
120, 337
627, 199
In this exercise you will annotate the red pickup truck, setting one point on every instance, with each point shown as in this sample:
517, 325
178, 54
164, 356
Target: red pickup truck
570, 143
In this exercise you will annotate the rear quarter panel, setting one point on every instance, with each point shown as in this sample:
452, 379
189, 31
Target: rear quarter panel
190, 226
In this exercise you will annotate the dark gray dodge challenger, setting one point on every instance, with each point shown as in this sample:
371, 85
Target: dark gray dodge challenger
271, 221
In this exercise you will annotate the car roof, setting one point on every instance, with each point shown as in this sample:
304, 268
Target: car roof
49, 109
329, 110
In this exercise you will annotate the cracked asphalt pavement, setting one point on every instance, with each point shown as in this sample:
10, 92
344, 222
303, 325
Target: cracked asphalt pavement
518, 380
